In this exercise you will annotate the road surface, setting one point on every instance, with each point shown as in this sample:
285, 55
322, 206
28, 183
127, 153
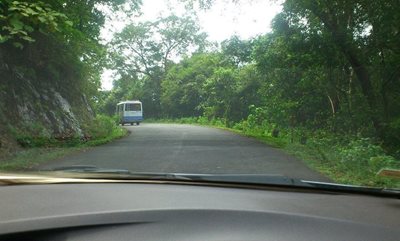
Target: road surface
189, 149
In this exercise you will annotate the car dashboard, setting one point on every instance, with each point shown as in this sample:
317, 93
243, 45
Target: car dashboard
172, 211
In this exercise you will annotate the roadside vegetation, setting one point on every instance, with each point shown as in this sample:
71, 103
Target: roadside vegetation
344, 159
323, 84
51, 60
40, 147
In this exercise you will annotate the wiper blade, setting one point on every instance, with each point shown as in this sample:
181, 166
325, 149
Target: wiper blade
248, 179
87, 171
270, 179
353, 188
280, 180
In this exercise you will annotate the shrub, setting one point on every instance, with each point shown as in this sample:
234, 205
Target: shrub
32, 135
352, 160
359, 152
102, 126
101, 130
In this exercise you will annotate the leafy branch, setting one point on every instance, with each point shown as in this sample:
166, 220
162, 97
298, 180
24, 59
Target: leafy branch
20, 19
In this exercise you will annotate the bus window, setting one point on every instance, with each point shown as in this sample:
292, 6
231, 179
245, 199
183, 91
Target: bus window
133, 107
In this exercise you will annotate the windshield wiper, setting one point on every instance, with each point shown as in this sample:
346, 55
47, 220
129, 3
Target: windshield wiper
87, 171
247, 179
271, 179
280, 180
354, 188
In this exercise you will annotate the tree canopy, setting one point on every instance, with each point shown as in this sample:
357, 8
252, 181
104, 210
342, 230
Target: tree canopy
330, 65
326, 65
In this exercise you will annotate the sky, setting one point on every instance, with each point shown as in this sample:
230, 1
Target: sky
246, 19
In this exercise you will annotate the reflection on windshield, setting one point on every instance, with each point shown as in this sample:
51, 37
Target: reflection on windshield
290, 88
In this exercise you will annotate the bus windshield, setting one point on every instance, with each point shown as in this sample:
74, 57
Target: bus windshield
133, 107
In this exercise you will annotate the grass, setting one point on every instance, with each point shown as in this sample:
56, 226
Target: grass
331, 163
39, 150
119, 132
269, 140
30, 158
353, 161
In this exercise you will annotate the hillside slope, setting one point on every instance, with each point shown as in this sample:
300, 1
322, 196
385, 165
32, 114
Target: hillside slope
31, 105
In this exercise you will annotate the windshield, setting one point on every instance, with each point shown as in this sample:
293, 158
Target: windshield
299, 89
133, 107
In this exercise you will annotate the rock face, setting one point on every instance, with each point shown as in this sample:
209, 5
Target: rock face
39, 107
50, 110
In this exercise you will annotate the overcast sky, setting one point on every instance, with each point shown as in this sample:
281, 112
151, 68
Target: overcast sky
245, 19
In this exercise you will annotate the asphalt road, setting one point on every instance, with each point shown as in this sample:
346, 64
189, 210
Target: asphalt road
189, 149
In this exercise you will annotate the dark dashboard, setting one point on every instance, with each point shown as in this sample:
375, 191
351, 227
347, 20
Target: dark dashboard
157, 211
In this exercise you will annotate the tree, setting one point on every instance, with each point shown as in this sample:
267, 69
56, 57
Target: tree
237, 51
54, 44
150, 46
20, 19
347, 23
148, 49
183, 94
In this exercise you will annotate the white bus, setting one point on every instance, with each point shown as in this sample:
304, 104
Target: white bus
130, 112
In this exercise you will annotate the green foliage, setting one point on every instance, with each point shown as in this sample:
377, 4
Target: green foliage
345, 159
182, 90
324, 82
219, 90
19, 19
29, 159
237, 51
206, 84
58, 49
359, 33
142, 54
102, 127
101, 130
58, 43
31, 135
350, 160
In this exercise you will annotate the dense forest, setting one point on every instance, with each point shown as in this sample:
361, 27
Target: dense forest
51, 59
328, 74
326, 77
326, 65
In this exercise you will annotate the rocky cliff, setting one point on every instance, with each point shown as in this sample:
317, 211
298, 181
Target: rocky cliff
33, 105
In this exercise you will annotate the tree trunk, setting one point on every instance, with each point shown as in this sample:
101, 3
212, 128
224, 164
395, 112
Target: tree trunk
341, 39
365, 82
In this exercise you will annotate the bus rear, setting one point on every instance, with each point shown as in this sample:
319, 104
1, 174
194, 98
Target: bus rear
130, 112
